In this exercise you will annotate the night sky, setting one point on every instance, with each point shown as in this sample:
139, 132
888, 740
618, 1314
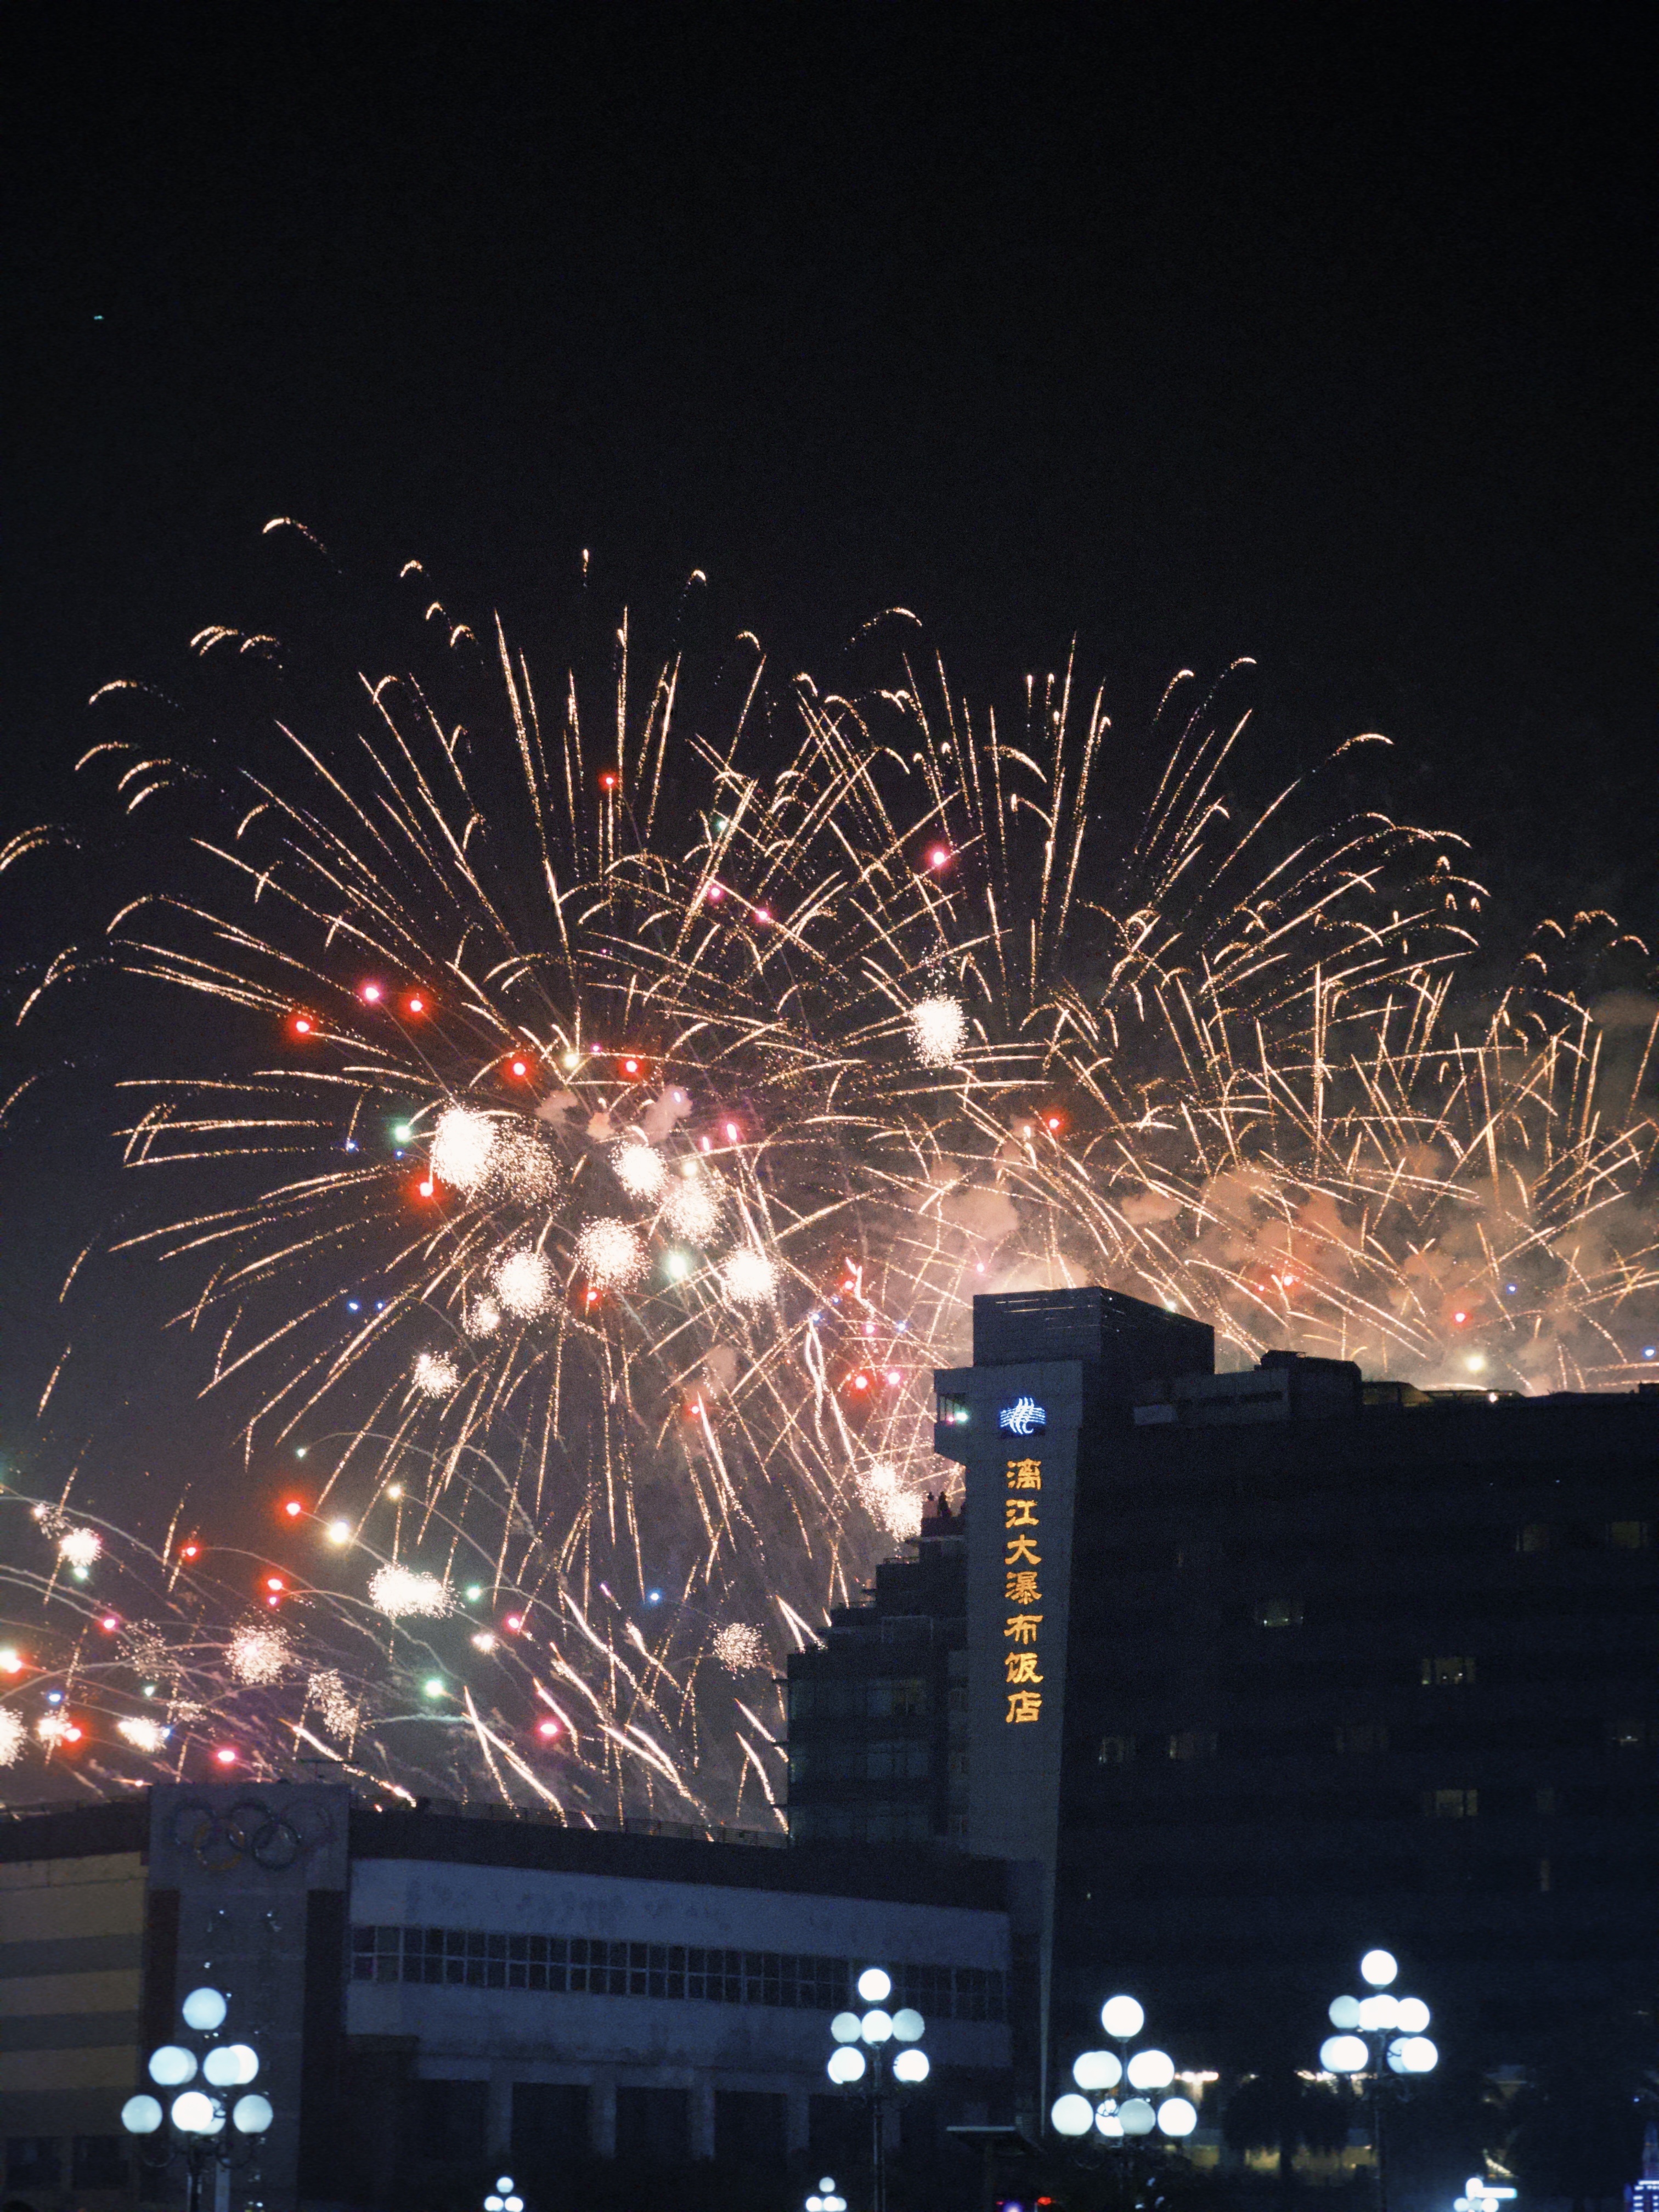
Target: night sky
1323, 337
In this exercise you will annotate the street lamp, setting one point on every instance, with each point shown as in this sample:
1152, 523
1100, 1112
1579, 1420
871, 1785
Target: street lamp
501, 2197
863, 2053
824, 2198
1147, 2072
195, 2119
1379, 2042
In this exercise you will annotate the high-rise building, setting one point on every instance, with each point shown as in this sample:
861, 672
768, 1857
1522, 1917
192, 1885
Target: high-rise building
1264, 1668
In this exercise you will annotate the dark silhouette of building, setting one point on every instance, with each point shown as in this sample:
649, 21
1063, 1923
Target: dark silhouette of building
1265, 1668
879, 1714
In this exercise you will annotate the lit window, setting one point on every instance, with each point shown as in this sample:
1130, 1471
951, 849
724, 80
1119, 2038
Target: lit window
1630, 1735
1630, 1535
1451, 1804
1193, 1743
1279, 1613
1448, 1670
1535, 1537
1118, 1750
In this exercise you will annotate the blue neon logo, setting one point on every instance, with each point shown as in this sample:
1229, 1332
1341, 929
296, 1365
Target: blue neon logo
1024, 1418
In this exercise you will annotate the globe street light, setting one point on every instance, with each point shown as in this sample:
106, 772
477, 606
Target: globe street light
501, 2197
825, 2199
1148, 2072
1379, 2047
193, 2124
875, 2047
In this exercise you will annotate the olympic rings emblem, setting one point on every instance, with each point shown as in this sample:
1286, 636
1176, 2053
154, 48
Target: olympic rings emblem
250, 1830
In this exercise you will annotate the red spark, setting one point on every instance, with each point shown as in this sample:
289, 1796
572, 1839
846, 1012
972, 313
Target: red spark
225, 1755
371, 994
547, 1731
416, 1003
109, 1624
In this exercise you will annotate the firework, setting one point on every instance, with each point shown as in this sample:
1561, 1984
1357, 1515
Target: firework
675, 1087
740, 1647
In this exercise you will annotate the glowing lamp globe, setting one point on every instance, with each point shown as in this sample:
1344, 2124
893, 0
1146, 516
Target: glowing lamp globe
1177, 2116
1121, 2017
1107, 2121
1413, 2017
1345, 2014
1150, 2070
230, 2065
875, 1987
1137, 2117
171, 2066
252, 2115
1072, 2115
493, 2203
908, 2026
845, 2027
1376, 2012
1415, 2054
193, 2114
204, 2010
846, 2065
1379, 1968
911, 2066
141, 2116
1097, 2069
1344, 2054
876, 2027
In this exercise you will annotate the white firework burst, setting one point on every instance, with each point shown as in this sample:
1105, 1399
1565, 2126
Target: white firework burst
336, 1707
463, 1148
938, 1029
13, 1737
691, 1207
258, 1653
80, 1548
610, 1254
405, 1592
434, 1374
524, 1283
146, 1735
639, 1169
887, 1498
56, 1727
484, 1318
749, 1276
740, 1647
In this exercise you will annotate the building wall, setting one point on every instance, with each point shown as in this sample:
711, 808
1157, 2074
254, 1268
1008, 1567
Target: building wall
504, 2035
71, 1937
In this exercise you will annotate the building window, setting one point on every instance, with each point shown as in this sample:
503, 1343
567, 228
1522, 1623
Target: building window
1193, 1743
1630, 1535
1279, 1613
900, 1761
1116, 1750
1545, 1876
1544, 1800
592, 1966
1447, 1669
99, 2162
959, 1769
1451, 1804
1363, 1736
1536, 1536
954, 1413
32, 2162
900, 1697
1631, 1734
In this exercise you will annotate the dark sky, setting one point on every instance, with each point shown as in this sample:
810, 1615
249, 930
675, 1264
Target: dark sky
1321, 336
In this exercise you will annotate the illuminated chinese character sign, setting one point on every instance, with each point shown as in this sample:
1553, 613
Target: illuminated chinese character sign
1022, 1563
1019, 1449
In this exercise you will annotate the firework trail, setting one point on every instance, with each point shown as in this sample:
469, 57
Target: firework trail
608, 1118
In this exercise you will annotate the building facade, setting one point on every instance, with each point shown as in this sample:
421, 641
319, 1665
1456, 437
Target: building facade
1264, 1668
432, 1993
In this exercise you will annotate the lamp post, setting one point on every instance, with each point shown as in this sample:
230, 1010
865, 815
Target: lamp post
862, 2055
825, 2199
1117, 2120
503, 2197
1379, 2042
193, 2126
